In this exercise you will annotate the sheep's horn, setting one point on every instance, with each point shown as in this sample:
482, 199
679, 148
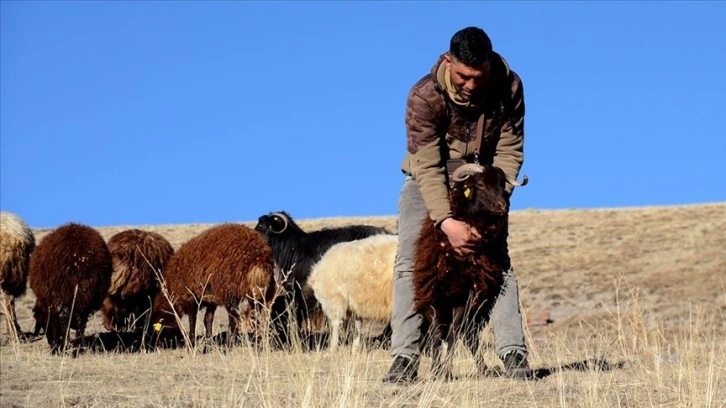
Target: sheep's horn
284, 218
516, 183
466, 170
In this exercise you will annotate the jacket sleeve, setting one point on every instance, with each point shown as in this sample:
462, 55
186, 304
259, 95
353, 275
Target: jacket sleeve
426, 163
509, 155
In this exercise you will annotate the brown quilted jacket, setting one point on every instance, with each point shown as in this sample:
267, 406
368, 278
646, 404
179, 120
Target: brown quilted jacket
439, 129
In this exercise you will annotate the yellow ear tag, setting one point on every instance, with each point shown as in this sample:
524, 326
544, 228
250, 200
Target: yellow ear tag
157, 327
467, 191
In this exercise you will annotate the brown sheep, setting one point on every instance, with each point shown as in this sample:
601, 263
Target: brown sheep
454, 293
137, 256
220, 267
16, 243
70, 273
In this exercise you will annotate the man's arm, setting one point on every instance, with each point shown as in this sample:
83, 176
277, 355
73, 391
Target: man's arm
509, 155
426, 163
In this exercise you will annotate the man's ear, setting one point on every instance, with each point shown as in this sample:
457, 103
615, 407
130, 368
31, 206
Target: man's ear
447, 59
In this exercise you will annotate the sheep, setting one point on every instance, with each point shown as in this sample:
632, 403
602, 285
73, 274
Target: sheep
70, 273
219, 267
137, 256
454, 293
295, 252
16, 244
356, 277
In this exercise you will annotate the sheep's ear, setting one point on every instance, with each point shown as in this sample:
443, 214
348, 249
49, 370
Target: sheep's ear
468, 188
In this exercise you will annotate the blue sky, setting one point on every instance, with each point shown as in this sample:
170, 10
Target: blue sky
142, 113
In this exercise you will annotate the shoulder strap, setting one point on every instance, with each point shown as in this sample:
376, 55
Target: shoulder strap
479, 137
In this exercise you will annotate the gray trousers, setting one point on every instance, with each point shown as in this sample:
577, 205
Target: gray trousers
506, 318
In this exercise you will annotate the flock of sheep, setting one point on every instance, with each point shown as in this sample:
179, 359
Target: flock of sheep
277, 274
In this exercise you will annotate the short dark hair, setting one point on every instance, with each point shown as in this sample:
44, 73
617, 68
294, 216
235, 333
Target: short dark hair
471, 46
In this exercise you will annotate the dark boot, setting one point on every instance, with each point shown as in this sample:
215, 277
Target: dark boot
404, 370
516, 366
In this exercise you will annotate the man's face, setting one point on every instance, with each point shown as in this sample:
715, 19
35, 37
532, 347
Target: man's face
468, 82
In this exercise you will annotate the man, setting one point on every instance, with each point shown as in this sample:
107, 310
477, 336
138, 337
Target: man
470, 106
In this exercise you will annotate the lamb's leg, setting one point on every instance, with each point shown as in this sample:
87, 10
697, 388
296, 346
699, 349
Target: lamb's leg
209, 320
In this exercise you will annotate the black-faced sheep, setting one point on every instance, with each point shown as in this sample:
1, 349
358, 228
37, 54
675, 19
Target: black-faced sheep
137, 256
16, 243
220, 267
456, 293
295, 252
70, 273
356, 277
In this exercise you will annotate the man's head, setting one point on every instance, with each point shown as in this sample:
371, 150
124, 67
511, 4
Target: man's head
468, 60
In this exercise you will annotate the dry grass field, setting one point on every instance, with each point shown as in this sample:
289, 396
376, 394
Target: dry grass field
643, 289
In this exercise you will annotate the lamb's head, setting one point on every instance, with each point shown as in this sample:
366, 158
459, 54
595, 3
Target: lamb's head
479, 197
274, 224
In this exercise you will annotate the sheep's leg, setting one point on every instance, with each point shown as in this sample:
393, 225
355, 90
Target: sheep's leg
246, 310
437, 327
12, 320
451, 335
477, 315
357, 335
40, 327
437, 367
193, 324
109, 315
209, 320
54, 333
280, 318
81, 330
471, 339
234, 323
471, 332
334, 333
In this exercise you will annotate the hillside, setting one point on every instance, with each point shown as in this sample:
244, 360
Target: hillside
581, 263
642, 288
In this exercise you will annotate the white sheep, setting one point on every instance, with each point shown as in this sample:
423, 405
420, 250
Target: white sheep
356, 277
16, 243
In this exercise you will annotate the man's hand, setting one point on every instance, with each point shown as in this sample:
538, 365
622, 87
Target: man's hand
461, 235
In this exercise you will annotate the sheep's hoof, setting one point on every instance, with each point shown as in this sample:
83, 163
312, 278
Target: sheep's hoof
443, 374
